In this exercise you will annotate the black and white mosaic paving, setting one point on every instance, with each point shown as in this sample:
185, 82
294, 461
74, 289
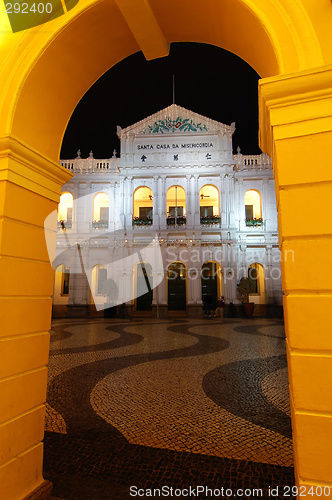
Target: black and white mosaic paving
168, 402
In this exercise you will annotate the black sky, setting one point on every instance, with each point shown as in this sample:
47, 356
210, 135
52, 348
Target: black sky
208, 80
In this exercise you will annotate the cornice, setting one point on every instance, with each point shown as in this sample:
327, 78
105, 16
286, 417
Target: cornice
282, 88
25, 166
294, 105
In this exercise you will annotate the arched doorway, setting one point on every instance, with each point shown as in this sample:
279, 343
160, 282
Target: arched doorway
61, 291
144, 287
287, 43
211, 282
98, 278
177, 286
257, 274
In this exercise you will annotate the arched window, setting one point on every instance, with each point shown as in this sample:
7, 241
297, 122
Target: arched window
100, 211
176, 205
143, 206
209, 204
65, 211
253, 208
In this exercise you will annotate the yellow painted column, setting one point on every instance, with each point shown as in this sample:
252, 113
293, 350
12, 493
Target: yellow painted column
29, 190
296, 130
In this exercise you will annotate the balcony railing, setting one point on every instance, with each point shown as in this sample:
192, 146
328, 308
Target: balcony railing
99, 225
142, 221
210, 220
181, 220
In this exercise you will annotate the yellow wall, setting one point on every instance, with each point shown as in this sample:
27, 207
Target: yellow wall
296, 128
46, 71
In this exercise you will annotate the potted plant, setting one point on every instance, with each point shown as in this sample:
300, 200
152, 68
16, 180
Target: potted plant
258, 221
245, 287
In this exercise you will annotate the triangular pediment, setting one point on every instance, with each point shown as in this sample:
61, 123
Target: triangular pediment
176, 120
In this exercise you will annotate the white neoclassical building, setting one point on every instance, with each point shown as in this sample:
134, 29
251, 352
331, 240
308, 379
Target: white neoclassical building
177, 216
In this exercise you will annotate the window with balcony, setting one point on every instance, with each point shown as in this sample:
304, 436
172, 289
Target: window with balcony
100, 214
176, 206
209, 205
253, 208
143, 207
65, 211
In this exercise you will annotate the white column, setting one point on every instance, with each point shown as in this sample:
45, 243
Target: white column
231, 200
188, 203
196, 264
83, 223
122, 203
268, 281
111, 209
265, 190
197, 219
163, 201
240, 204
75, 208
156, 202
223, 201
234, 263
129, 202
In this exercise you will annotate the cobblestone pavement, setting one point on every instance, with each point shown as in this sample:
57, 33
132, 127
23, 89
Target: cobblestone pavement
177, 403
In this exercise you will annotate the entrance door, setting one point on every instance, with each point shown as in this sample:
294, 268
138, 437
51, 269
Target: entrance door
210, 282
176, 279
144, 287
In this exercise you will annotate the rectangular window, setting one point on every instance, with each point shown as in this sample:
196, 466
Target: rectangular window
206, 211
145, 211
104, 213
249, 211
179, 211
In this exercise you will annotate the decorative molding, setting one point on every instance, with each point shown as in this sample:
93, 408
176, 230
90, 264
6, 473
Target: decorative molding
30, 169
294, 105
168, 125
165, 121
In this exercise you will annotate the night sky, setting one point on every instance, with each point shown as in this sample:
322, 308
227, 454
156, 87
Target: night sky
208, 80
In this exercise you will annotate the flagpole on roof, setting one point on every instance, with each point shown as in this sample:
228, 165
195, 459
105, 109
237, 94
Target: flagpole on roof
173, 89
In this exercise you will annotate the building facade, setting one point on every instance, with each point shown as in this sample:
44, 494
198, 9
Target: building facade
176, 217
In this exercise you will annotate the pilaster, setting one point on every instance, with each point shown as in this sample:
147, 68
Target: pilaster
296, 130
155, 202
30, 188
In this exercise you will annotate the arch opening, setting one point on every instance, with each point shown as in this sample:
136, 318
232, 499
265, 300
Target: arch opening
177, 286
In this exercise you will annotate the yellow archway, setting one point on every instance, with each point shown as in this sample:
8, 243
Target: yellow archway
46, 71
